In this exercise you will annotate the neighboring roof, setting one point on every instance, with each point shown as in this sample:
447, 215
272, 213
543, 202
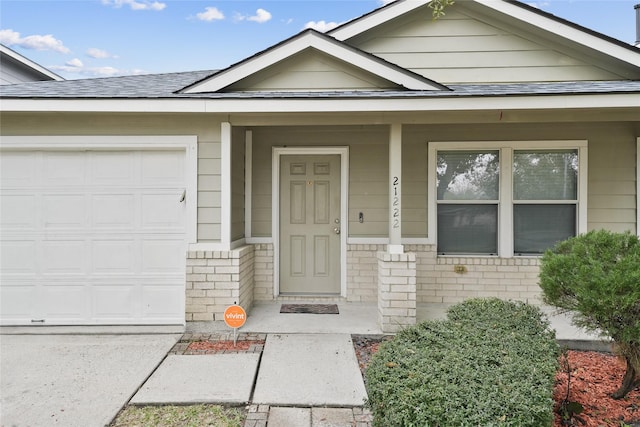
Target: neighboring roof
312, 39
524, 13
8, 55
167, 86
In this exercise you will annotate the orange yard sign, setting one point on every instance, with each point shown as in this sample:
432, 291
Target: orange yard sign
235, 316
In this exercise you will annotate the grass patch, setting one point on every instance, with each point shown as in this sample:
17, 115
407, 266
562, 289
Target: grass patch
180, 416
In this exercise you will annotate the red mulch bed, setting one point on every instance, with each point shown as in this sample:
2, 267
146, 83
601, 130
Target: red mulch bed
594, 376
225, 345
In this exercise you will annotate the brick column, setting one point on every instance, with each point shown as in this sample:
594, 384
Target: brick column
216, 280
396, 291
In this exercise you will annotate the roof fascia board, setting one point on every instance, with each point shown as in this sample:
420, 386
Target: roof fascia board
312, 39
29, 63
266, 106
567, 31
375, 18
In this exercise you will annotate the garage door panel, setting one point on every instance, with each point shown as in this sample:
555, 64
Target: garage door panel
115, 301
113, 168
64, 211
18, 257
64, 169
67, 301
114, 211
17, 300
159, 302
18, 211
68, 257
114, 256
18, 170
162, 211
161, 168
162, 256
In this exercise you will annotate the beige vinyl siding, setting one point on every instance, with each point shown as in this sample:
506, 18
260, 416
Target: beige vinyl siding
414, 182
466, 47
311, 70
368, 172
206, 127
369, 187
237, 182
612, 158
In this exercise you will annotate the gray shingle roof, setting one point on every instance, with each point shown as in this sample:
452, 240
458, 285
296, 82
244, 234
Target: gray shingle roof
165, 86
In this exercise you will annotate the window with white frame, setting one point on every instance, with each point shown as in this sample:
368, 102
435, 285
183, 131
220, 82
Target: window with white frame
506, 199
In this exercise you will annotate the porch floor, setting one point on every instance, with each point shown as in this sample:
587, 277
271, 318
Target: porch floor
362, 319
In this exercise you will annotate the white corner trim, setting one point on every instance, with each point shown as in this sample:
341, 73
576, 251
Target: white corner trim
225, 185
343, 152
188, 143
248, 182
638, 186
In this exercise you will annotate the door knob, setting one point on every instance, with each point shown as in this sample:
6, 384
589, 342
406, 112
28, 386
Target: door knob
336, 230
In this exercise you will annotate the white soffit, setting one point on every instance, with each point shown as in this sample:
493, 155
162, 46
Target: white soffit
311, 39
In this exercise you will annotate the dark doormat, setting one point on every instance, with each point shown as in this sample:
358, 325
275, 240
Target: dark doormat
310, 308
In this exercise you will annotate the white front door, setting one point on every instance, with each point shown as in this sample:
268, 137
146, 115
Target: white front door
92, 237
310, 224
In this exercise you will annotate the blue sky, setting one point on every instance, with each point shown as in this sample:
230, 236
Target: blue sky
99, 38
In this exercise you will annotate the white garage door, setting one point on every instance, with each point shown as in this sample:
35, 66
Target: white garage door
92, 237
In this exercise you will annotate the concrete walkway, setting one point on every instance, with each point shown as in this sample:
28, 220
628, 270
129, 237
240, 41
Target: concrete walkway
300, 380
73, 380
305, 375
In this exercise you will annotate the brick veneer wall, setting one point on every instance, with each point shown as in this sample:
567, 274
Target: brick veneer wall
216, 280
396, 291
506, 278
263, 271
362, 272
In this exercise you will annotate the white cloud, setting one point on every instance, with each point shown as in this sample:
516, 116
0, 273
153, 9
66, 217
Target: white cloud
321, 26
136, 4
99, 53
37, 42
260, 17
210, 14
75, 62
385, 2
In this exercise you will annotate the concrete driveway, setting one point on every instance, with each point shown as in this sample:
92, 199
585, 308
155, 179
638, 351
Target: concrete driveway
74, 380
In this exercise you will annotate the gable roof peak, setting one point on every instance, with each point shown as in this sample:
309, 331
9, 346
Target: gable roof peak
313, 39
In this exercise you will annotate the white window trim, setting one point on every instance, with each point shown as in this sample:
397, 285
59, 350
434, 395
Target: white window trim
344, 208
505, 212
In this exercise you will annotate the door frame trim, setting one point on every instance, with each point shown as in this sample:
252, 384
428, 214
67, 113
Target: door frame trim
277, 152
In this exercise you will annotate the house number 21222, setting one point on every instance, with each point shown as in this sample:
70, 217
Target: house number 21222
396, 203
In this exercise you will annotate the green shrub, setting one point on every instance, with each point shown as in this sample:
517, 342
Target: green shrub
491, 363
597, 276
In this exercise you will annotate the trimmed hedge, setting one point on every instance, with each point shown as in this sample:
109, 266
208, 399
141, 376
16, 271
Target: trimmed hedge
491, 363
